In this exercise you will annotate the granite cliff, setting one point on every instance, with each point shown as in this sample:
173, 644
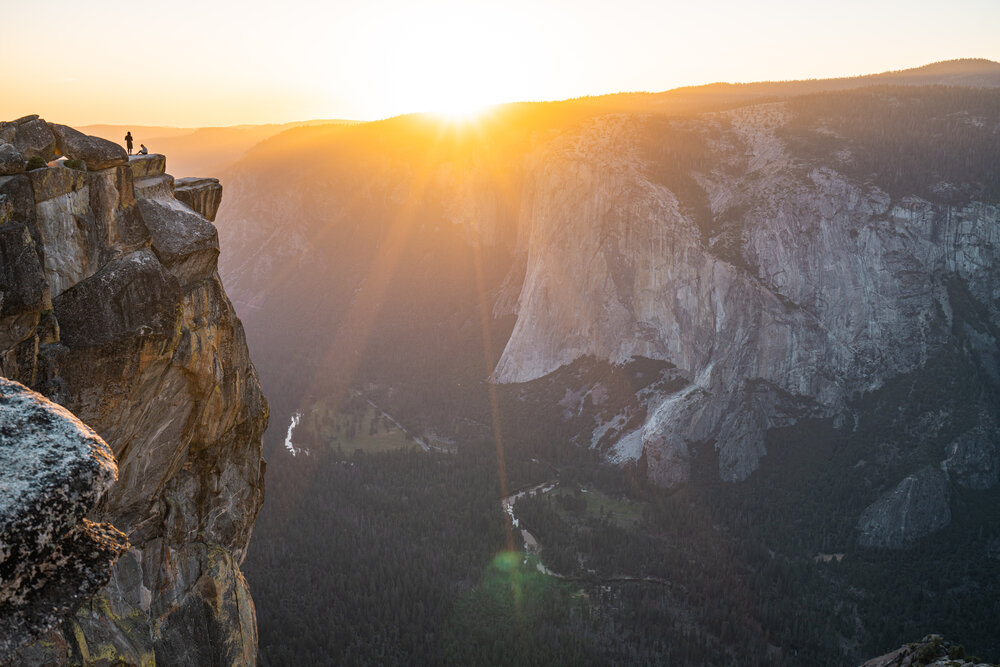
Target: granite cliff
781, 289
779, 283
113, 308
826, 257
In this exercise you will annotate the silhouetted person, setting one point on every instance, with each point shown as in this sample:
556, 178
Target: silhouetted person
143, 150
128, 141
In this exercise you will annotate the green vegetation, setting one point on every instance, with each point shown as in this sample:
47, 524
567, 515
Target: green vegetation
396, 551
348, 425
363, 561
580, 505
35, 162
74, 163
935, 142
519, 616
391, 558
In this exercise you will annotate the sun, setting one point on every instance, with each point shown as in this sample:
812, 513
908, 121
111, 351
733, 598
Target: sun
453, 59
463, 112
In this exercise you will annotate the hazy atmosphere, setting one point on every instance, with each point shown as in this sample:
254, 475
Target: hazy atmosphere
553, 333
225, 63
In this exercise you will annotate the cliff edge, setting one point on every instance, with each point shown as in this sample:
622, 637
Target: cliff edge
112, 307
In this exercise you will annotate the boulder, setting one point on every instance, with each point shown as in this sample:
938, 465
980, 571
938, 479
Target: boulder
144, 166
200, 194
186, 243
130, 296
53, 471
918, 506
22, 282
32, 137
16, 191
52, 182
96, 152
155, 187
11, 160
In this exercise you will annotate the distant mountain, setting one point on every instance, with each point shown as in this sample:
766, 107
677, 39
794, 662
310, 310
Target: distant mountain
967, 72
777, 299
311, 212
199, 151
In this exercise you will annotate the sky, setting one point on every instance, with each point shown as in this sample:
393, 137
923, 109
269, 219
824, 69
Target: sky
208, 62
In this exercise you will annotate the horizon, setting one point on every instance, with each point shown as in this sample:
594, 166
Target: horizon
350, 62
300, 122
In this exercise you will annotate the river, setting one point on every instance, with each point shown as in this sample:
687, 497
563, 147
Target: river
530, 543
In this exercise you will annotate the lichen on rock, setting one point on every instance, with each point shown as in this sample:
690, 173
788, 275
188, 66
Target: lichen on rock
53, 470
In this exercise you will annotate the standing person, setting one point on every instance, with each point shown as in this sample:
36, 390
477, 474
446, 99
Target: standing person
128, 141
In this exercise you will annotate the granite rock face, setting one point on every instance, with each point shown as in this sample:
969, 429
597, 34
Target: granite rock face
147, 166
150, 179
931, 651
781, 286
918, 506
11, 160
53, 470
112, 307
792, 289
185, 242
202, 195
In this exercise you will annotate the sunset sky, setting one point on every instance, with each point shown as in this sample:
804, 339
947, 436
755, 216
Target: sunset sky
254, 61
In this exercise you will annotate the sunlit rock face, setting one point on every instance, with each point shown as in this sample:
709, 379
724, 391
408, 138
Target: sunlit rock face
114, 309
784, 264
786, 290
53, 470
200, 194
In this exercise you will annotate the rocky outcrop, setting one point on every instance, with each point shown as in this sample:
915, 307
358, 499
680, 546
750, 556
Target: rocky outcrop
200, 194
97, 153
150, 165
150, 178
184, 242
113, 308
918, 506
932, 651
31, 136
779, 288
53, 471
11, 160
